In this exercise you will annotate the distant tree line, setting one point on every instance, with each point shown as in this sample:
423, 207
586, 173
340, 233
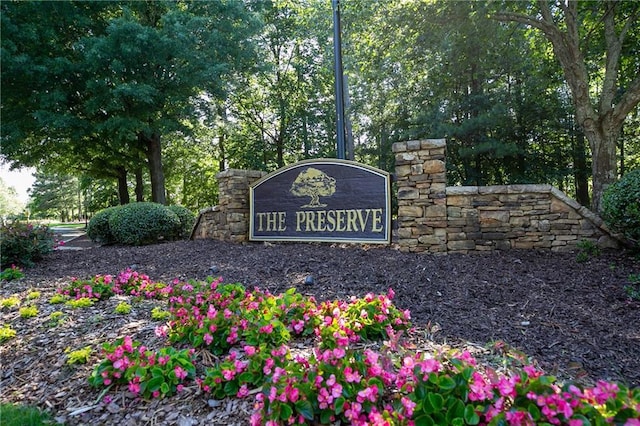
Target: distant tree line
124, 100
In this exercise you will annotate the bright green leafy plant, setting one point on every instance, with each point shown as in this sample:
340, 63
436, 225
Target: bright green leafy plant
6, 333
33, 295
28, 311
123, 308
80, 356
57, 299
159, 314
83, 302
9, 302
11, 274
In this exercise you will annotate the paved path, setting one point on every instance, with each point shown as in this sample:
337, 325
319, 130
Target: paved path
68, 235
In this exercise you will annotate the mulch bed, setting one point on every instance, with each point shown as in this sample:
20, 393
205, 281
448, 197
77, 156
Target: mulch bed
572, 318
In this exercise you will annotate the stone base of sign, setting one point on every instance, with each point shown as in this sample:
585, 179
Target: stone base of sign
229, 220
439, 219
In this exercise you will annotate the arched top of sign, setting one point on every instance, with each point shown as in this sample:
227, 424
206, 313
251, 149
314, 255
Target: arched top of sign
322, 200
302, 163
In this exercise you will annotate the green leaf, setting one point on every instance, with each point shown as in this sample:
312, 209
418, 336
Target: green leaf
285, 412
534, 411
155, 383
425, 420
325, 417
339, 405
164, 388
436, 401
455, 409
305, 409
470, 415
446, 383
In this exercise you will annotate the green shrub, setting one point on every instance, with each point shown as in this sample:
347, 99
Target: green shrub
187, 219
23, 244
98, 228
143, 223
621, 206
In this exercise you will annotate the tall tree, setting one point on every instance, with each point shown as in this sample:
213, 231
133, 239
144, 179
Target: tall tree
590, 40
137, 70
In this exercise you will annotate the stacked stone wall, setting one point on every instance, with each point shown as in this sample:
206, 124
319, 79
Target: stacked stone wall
229, 220
435, 218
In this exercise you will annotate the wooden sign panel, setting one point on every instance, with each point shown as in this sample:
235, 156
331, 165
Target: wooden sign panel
322, 200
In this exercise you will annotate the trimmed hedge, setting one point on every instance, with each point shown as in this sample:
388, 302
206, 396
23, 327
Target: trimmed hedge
98, 228
621, 206
187, 219
143, 223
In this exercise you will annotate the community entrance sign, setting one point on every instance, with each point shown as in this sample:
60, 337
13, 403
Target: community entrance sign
322, 200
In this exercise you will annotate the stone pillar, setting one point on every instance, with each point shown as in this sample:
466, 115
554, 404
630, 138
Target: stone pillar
422, 211
229, 220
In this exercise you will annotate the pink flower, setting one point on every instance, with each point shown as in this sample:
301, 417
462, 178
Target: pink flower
506, 387
479, 388
267, 329
519, 418
409, 405
369, 393
243, 391
249, 350
352, 376
208, 338
180, 372
134, 388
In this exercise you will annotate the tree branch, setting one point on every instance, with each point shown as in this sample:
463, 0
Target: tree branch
630, 99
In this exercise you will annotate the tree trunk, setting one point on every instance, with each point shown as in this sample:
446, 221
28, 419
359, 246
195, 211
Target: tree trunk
580, 172
123, 190
154, 158
604, 165
139, 185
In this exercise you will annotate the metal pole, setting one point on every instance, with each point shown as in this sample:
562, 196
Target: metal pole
337, 49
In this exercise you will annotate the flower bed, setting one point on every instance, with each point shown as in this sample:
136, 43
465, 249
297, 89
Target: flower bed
359, 371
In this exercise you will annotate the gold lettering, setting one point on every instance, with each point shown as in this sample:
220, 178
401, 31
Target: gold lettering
310, 221
299, 218
272, 221
282, 221
353, 220
352, 216
322, 216
340, 227
376, 226
331, 220
363, 220
260, 216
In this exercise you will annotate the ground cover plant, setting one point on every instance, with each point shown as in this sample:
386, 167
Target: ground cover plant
315, 359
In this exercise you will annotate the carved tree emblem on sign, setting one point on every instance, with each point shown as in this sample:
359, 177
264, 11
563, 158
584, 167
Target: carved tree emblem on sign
313, 183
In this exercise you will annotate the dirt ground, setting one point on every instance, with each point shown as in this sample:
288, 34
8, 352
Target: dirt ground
573, 318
